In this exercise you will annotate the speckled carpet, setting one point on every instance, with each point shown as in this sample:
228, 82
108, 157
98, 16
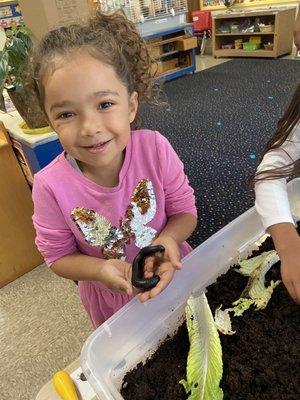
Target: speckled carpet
219, 121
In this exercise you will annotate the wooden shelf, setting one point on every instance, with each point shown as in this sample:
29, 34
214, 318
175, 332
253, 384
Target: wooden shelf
18, 251
170, 71
177, 59
244, 53
245, 34
281, 37
166, 41
170, 53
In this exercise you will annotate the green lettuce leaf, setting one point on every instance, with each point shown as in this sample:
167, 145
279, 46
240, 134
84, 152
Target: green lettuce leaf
204, 363
248, 267
254, 293
240, 306
255, 288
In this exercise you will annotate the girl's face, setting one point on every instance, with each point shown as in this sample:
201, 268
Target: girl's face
90, 109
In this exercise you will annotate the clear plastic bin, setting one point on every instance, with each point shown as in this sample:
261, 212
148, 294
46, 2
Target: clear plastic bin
135, 331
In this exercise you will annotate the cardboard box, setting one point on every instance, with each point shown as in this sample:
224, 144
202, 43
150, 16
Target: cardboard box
169, 65
43, 15
186, 43
155, 51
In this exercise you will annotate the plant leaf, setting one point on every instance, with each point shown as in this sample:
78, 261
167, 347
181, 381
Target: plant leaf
223, 321
256, 268
4, 68
204, 363
240, 306
247, 267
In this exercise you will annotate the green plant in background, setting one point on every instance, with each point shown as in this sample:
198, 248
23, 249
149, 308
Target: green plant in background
14, 58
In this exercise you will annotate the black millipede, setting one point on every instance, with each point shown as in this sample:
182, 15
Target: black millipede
138, 279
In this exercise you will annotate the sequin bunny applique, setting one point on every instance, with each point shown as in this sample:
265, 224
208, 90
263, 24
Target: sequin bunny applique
98, 231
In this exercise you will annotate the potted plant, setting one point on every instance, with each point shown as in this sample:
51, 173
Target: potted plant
14, 78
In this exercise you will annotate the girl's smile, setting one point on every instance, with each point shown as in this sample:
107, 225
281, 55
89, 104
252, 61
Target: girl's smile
91, 110
99, 147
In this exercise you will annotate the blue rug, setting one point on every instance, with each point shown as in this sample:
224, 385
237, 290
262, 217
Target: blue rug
218, 121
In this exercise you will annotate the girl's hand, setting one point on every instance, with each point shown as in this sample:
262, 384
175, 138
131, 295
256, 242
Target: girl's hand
290, 269
163, 265
116, 275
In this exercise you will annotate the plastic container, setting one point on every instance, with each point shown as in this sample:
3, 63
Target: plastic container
36, 131
268, 46
234, 28
251, 46
201, 20
135, 331
266, 28
227, 46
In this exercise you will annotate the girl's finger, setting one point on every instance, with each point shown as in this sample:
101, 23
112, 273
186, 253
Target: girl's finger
165, 279
123, 285
174, 257
144, 296
149, 264
148, 274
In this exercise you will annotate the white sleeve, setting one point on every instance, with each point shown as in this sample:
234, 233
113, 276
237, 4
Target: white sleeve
271, 198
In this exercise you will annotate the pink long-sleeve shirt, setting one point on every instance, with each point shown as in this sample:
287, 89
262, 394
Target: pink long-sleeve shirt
72, 213
59, 189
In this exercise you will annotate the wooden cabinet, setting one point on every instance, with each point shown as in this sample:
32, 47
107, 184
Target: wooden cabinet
281, 22
18, 253
173, 51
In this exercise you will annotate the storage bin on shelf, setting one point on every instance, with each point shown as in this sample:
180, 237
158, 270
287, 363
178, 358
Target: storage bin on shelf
266, 28
187, 43
268, 46
201, 20
251, 46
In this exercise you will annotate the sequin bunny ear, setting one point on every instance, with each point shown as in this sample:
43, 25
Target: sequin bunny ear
142, 210
95, 228
98, 231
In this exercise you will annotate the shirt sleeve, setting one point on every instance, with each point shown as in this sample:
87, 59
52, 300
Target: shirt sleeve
179, 196
54, 238
271, 196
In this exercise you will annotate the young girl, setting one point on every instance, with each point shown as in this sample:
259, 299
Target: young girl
113, 190
282, 160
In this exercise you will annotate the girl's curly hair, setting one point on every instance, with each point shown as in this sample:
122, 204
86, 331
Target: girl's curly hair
112, 39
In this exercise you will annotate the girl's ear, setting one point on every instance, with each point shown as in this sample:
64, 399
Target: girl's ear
133, 106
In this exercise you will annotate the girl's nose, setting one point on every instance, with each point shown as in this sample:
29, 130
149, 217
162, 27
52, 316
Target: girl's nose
90, 126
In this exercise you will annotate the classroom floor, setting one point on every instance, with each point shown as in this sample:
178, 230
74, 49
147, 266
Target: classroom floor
42, 324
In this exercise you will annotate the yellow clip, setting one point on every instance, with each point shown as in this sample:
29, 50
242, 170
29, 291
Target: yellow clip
64, 386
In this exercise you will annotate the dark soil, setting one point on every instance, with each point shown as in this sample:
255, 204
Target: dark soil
261, 360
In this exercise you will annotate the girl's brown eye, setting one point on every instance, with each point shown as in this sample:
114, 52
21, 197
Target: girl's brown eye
65, 115
105, 105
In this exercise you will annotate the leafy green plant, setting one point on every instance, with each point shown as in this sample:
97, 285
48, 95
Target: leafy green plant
14, 58
204, 363
255, 293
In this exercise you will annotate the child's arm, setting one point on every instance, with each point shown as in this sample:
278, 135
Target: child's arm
179, 227
177, 230
272, 203
287, 244
114, 274
181, 216
57, 244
